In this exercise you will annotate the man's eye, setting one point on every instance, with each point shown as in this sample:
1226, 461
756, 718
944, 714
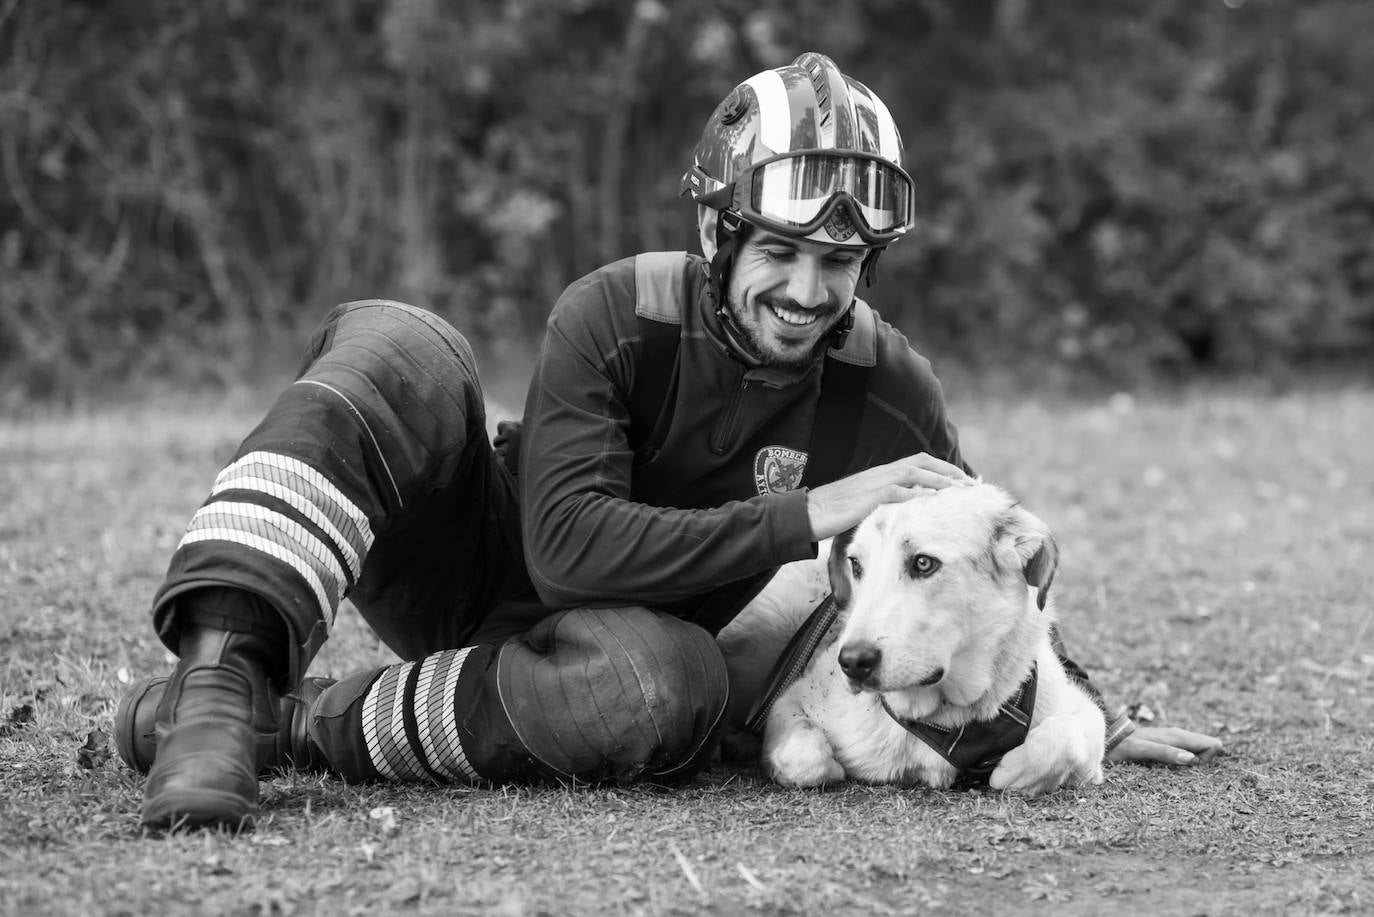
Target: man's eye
922, 565
856, 569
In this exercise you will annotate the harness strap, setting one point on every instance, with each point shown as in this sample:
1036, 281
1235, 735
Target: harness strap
663, 282
792, 661
835, 430
654, 393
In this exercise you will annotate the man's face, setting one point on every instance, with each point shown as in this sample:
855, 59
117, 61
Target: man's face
786, 294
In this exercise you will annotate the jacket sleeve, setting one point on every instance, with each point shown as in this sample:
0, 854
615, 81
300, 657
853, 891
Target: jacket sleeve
587, 542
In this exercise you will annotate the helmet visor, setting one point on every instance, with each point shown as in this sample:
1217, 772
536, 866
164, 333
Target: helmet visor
797, 193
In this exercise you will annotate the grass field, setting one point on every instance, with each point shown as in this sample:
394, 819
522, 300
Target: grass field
1218, 567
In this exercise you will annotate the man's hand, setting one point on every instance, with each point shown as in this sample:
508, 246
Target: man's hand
1166, 745
841, 505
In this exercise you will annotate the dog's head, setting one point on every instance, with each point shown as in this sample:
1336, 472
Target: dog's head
934, 589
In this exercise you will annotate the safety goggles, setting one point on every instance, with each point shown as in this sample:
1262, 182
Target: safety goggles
798, 193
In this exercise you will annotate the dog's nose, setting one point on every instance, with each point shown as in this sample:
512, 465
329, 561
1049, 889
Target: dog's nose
859, 661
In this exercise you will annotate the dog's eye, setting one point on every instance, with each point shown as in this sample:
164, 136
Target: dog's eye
856, 569
922, 565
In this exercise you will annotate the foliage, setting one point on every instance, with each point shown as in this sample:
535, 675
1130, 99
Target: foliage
1109, 185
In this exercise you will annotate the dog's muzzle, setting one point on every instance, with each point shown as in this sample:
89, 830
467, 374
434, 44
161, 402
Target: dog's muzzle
860, 661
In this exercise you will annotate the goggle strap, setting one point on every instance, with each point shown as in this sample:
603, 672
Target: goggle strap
722, 199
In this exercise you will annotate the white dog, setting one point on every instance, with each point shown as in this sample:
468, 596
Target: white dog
939, 662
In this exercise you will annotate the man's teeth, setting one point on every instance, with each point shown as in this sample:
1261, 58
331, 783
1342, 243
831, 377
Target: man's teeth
794, 318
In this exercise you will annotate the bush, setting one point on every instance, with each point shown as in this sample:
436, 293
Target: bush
1118, 189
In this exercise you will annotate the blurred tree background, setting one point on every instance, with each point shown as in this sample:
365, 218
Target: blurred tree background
1110, 189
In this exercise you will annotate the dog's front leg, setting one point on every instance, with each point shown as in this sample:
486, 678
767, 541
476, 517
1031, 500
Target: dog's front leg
1066, 742
1058, 752
796, 751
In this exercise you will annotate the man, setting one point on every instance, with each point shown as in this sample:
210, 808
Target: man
692, 424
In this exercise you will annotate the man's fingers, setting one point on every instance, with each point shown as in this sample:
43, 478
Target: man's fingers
929, 472
832, 508
1167, 745
940, 466
1204, 747
937, 481
1137, 749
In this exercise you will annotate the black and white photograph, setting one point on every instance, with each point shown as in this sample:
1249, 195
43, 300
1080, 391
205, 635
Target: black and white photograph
744, 457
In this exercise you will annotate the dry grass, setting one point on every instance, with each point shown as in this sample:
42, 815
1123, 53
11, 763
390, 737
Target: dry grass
1216, 567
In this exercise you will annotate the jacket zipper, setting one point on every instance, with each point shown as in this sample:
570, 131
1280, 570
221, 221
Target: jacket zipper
724, 437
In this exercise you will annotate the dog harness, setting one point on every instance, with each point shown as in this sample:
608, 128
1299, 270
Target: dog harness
792, 662
974, 749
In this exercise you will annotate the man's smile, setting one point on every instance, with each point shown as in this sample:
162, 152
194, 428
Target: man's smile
794, 316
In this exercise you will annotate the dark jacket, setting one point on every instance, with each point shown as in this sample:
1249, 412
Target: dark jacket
703, 522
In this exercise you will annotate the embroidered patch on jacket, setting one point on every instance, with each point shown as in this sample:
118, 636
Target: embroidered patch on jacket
778, 469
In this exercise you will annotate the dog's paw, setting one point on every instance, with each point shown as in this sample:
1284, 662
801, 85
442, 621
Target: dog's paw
802, 758
1057, 753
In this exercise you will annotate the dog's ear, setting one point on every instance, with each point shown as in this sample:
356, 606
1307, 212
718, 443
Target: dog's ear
840, 586
1040, 569
1033, 542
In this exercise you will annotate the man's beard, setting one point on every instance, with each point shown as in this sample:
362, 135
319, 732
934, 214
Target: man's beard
750, 337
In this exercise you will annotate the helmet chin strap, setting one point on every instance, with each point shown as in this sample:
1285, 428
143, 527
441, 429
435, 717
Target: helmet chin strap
730, 229
840, 332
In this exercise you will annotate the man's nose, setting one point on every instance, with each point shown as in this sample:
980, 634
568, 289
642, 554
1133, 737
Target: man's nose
806, 286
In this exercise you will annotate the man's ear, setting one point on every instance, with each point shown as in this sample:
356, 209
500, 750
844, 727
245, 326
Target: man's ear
840, 585
706, 229
1034, 548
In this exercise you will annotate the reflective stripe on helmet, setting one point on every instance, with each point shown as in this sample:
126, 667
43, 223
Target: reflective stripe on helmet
872, 110
775, 110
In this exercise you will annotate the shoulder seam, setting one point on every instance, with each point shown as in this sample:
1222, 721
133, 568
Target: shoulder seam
861, 347
658, 286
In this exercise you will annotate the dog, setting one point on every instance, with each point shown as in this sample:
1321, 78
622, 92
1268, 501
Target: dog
939, 664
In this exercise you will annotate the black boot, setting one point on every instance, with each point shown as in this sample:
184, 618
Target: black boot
215, 713
135, 727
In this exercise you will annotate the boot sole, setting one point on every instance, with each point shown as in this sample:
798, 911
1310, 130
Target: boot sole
198, 808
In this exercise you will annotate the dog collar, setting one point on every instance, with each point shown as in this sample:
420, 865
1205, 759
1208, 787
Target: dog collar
974, 749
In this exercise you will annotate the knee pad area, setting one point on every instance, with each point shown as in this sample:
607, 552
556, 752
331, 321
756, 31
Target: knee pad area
614, 693
404, 374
